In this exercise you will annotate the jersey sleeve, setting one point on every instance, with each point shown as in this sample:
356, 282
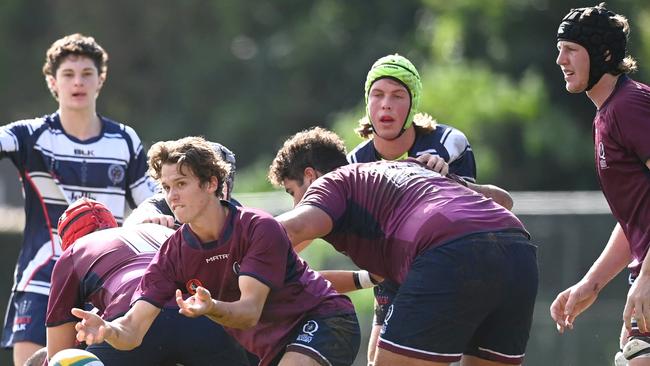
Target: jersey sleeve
465, 166
461, 157
328, 193
362, 153
65, 291
159, 282
141, 185
633, 119
13, 138
266, 256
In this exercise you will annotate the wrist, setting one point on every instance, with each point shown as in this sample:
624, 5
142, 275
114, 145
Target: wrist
109, 332
593, 284
212, 309
363, 279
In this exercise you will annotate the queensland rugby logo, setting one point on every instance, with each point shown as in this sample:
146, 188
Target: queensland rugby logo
116, 173
192, 285
389, 314
601, 156
308, 331
310, 327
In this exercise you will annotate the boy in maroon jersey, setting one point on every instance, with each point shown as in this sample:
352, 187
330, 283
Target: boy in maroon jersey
238, 268
102, 264
465, 267
592, 45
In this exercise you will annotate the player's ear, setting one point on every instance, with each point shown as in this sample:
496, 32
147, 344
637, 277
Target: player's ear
102, 79
310, 174
50, 81
213, 184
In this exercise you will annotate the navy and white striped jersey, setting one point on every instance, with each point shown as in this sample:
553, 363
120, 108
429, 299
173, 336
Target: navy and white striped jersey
445, 141
56, 169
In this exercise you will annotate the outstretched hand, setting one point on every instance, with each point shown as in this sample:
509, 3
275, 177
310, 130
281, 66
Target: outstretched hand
435, 163
572, 302
196, 305
637, 305
91, 329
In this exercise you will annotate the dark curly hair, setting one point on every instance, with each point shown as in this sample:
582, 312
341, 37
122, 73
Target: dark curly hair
75, 44
194, 153
317, 148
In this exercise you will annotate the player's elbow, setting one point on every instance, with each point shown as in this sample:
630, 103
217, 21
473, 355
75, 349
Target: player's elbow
497, 194
502, 197
125, 340
127, 344
251, 317
136, 343
246, 322
294, 234
293, 228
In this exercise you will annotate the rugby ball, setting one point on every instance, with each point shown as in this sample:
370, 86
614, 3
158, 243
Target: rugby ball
75, 357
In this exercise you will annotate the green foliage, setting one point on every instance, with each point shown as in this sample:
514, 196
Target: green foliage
250, 74
253, 178
345, 123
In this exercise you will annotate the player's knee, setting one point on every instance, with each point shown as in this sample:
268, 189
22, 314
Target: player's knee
38, 358
23, 351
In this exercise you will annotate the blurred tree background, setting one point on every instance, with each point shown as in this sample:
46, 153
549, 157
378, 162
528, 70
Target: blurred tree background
249, 74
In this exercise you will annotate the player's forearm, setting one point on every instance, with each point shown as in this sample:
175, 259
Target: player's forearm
305, 222
120, 338
346, 281
237, 314
645, 268
122, 334
341, 280
497, 194
614, 258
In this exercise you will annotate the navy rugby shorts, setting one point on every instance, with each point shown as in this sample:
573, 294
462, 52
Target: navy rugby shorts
330, 340
474, 295
25, 319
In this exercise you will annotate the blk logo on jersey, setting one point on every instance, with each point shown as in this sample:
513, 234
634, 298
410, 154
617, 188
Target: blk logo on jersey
192, 285
235, 268
21, 323
83, 152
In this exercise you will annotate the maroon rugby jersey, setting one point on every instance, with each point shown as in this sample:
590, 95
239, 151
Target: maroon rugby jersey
103, 268
386, 213
621, 132
252, 243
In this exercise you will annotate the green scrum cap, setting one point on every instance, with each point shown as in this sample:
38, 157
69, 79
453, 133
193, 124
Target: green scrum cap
400, 69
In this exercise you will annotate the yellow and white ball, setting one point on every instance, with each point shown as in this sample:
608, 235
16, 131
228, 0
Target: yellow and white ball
75, 357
